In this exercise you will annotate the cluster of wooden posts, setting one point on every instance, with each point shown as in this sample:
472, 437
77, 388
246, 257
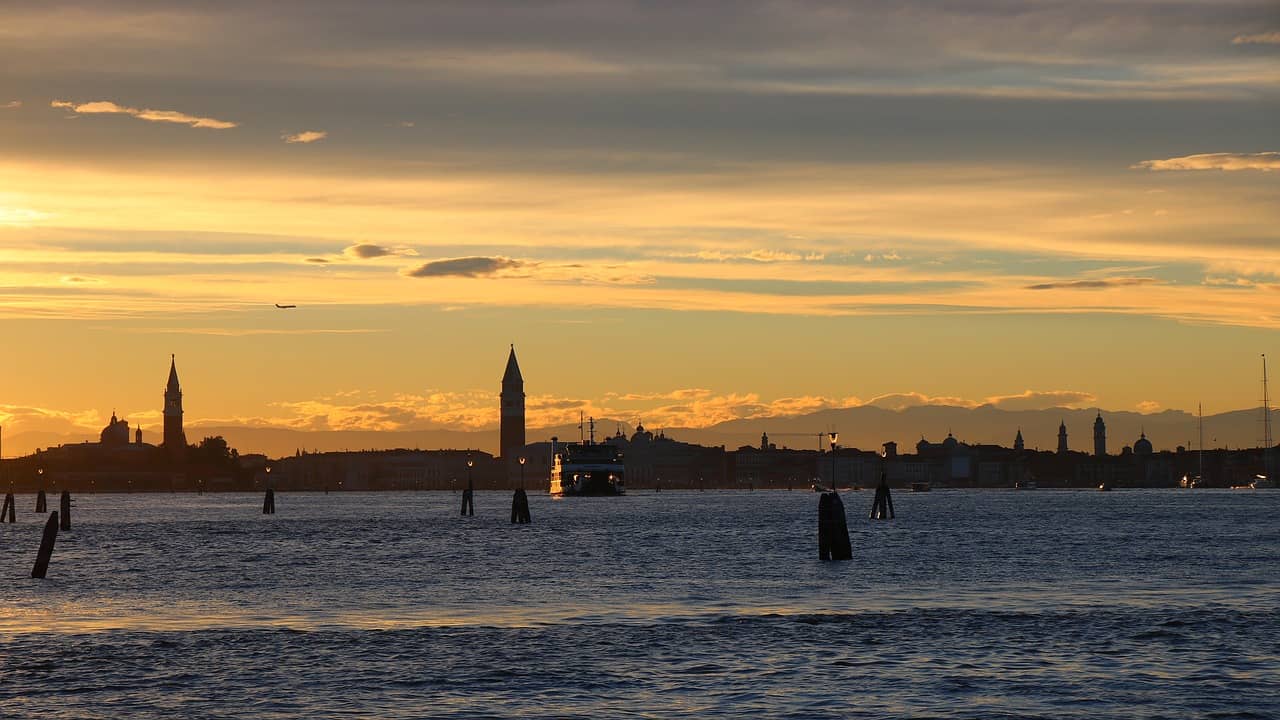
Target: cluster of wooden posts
58, 520
519, 504
833, 531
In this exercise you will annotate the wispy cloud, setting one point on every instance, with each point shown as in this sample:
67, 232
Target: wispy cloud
106, 107
1264, 161
1042, 399
305, 137
11, 104
760, 256
463, 267
1093, 284
1265, 38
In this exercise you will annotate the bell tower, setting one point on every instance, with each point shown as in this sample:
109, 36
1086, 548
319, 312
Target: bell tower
1099, 436
1062, 438
511, 430
175, 440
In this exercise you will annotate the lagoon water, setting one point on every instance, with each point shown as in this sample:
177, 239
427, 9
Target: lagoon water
971, 604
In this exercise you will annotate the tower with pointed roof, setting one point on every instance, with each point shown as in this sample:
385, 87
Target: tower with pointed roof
175, 440
1017, 441
1062, 438
511, 429
1099, 436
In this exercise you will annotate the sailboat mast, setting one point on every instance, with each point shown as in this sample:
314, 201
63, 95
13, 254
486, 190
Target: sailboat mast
1200, 411
1266, 420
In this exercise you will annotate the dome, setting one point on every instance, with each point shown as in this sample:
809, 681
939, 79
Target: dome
950, 442
1142, 446
115, 433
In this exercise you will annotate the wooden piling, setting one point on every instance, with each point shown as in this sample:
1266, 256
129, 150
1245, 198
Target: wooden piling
269, 502
41, 505
520, 507
46, 547
833, 531
64, 505
468, 501
882, 505
7, 511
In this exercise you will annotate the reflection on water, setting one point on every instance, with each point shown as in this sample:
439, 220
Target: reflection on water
698, 604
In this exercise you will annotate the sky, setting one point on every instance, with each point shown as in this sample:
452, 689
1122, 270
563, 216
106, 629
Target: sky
680, 213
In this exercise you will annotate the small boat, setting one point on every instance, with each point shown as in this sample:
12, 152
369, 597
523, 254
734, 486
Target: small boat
1105, 487
1262, 482
920, 486
1025, 485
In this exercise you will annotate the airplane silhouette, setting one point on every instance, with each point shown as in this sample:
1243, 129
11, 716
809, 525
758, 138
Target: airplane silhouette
285, 307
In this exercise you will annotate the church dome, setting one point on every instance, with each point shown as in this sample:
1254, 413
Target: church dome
1142, 446
115, 433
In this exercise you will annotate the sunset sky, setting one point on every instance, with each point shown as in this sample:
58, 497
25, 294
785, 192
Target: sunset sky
677, 212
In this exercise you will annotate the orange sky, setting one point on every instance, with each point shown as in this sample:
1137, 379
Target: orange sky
669, 214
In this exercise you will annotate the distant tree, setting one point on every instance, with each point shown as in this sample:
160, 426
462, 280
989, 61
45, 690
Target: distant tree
214, 451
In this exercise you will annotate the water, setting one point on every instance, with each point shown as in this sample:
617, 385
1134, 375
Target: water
1047, 604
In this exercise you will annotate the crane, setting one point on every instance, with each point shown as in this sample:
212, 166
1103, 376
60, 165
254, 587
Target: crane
820, 436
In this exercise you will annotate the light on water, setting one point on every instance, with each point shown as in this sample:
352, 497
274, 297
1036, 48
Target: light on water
969, 604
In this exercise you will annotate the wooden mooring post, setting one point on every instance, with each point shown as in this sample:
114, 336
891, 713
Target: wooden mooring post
46, 547
7, 511
64, 505
882, 505
520, 507
468, 500
833, 531
41, 504
269, 502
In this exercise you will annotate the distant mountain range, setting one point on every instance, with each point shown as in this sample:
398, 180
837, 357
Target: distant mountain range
865, 427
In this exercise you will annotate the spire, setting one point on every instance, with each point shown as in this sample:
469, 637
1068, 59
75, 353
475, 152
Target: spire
173, 375
512, 374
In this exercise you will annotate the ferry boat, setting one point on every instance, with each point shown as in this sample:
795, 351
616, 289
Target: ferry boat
586, 468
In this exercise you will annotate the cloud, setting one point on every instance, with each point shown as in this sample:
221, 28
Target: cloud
18, 418
1093, 284
463, 267
319, 260
1264, 161
1042, 399
106, 107
891, 256
1148, 406
902, 401
11, 104
1266, 38
366, 251
760, 256
304, 137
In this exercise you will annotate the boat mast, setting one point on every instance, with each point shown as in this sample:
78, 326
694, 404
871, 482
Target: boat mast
1266, 420
1200, 411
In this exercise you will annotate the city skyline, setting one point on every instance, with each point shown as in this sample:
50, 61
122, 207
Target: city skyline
987, 423
676, 217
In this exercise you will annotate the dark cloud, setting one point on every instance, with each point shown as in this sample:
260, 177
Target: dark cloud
365, 251
319, 260
1093, 284
464, 267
